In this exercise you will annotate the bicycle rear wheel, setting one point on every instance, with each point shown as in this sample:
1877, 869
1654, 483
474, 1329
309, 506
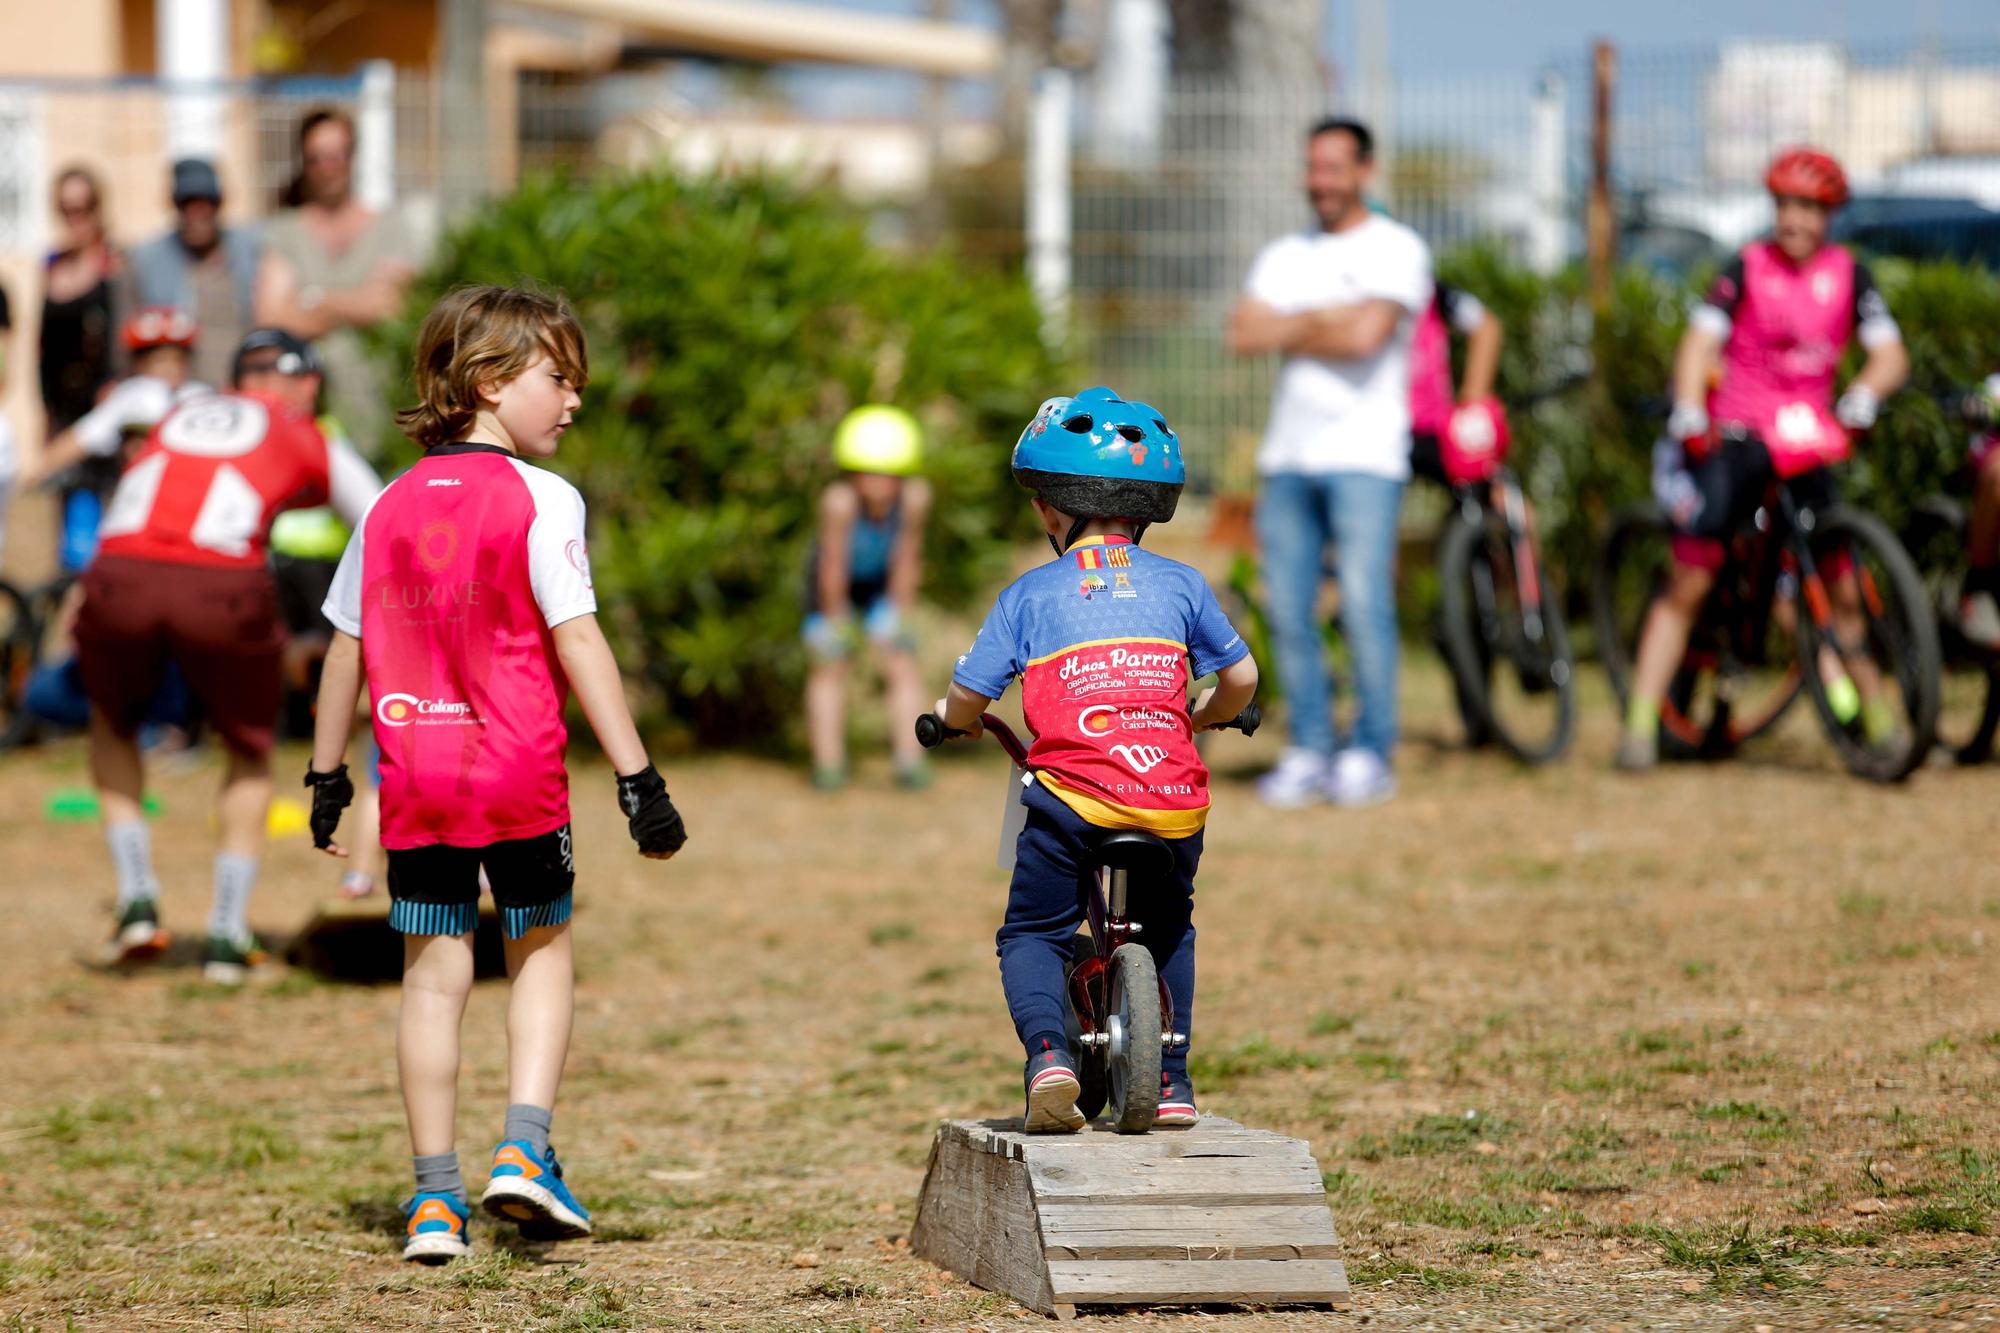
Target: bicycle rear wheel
19, 638
1969, 683
1886, 724
1505, 640
1734, 683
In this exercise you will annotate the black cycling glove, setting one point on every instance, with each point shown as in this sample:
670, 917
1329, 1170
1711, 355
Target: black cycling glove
332, 793
649, 813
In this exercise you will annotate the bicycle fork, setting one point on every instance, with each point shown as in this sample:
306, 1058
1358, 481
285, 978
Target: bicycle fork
1110, 929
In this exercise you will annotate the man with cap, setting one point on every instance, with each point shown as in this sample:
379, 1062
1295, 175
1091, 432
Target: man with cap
199, 267
181, 576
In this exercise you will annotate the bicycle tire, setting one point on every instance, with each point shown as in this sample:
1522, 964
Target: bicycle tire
19, 638
1916, 653
1969, 673
1132, 992
1682, 734
1472, 655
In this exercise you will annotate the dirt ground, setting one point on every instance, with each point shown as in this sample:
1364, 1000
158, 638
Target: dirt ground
1718, 1048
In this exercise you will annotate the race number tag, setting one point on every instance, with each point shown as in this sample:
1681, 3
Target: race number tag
1013, 818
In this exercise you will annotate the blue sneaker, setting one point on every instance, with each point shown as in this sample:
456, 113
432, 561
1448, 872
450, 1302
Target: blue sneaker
1176, 1102
1053, 1088
531, 1194
436, 1231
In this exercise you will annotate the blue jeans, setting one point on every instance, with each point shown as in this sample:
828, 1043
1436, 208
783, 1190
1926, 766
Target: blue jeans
1053, 870
1297, 515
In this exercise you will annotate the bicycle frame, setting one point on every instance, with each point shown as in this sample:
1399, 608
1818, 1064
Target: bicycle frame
1108, 910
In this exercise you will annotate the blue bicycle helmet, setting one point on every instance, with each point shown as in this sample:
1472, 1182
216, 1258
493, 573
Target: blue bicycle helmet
1098, 456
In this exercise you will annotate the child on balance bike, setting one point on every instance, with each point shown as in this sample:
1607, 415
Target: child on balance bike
1105, 638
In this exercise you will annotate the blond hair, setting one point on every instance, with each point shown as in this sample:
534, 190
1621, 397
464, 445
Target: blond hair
485, 336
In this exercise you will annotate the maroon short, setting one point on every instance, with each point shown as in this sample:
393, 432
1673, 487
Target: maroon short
220, 625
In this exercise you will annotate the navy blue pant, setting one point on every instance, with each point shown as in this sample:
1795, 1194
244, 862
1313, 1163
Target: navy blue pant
1054, 870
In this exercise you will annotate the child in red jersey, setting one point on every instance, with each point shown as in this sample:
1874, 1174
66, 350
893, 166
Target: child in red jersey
465, 596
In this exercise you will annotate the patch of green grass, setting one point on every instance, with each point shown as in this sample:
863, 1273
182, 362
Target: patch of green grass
1861, 906
1326, 1023
1962, 1219
891, 932
1258, 1055
1694, 969
1430, 1135
1381, 1272
1945, 1045
1720, 1172
837, 1286
1385, 1065
938, 975
1469, 1212
1731, 1255
1587, 1141
1652, 1042
1756, 1112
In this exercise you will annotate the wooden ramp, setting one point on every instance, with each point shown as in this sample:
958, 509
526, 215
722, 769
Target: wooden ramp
1215, 1214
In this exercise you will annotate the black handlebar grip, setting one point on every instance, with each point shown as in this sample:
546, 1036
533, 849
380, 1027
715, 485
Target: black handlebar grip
1247, 721
932, 732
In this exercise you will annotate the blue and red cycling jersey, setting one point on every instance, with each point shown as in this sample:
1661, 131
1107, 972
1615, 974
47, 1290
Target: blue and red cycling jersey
1106, 640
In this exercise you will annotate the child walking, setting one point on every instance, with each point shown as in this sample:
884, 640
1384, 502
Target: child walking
1105, 639
465, 597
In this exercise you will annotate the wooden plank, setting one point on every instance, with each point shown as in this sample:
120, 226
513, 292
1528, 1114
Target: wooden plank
1115, 1231
1232, 1281
1202, 1181
976, 1218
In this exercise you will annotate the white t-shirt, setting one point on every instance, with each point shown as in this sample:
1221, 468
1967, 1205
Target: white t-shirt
1343, 416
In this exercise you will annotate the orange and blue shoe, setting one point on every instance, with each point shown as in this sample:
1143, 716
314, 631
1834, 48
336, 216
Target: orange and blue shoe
436, 1230
529, 1192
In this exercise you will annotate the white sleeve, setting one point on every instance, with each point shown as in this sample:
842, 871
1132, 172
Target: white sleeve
1268, 281
342, 607
558, 557
1404, 275
351, 484
134, 402
1468, 314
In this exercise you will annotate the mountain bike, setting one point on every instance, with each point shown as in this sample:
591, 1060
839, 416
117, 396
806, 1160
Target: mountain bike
1768, 631
1118, 1029
1935, 535
1499, 623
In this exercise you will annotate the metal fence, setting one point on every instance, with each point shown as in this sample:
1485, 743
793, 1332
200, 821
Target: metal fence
1159, 252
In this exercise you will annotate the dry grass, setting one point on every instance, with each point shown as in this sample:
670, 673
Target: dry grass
1712, 1049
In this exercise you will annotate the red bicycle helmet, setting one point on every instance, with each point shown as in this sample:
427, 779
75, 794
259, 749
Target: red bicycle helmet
1807, 173
158, 326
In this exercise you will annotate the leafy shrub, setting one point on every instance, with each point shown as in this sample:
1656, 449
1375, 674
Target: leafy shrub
732, 321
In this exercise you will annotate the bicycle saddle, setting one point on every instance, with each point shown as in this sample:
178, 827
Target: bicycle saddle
1137, 853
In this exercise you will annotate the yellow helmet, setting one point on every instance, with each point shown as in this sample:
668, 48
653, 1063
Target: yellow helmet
881, 439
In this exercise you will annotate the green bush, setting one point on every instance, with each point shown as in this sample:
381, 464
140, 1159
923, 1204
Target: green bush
732, 321
1584, 454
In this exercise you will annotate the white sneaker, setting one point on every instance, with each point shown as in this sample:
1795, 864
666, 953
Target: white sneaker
1299, 779
1360, 778
1979, 619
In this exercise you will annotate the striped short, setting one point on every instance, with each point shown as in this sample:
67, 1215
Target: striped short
435, 890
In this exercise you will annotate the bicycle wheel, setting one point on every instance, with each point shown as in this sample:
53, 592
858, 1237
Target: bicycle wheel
1736, 680
1969, 683
1889, 655
18, 640
1505, 640
1089, 1059
1132, 1061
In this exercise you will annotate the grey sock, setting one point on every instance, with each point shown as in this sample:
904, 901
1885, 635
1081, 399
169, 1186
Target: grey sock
439, 1174
530, 1123
235, 876
131, 844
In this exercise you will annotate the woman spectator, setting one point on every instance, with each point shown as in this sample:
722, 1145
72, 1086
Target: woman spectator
76, 350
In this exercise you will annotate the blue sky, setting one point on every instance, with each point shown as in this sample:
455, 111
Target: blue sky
1517, 36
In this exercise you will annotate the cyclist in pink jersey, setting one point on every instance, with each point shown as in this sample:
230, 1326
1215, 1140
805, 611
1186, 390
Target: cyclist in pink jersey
1433, 403
465, 596
1774, 325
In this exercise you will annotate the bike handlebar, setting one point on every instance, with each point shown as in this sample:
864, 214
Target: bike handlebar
932, 732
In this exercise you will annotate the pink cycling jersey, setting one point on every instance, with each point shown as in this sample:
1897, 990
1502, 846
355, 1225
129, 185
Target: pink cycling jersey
1785, 326
453, 583
1431, 396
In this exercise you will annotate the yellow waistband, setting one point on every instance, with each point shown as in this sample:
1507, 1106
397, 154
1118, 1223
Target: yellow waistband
1106, 814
